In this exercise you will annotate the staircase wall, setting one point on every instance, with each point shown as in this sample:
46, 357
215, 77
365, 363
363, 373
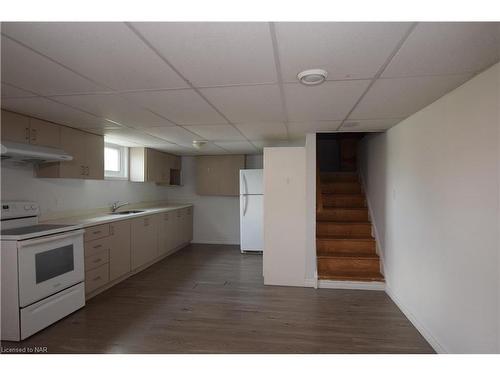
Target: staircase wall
432, 183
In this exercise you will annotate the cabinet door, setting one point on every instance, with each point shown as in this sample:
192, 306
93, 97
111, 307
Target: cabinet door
165, 233
219, 175
189, 224
44, 133
15, 127
73, 142
119, 249
176, 238
94, 156
144, 240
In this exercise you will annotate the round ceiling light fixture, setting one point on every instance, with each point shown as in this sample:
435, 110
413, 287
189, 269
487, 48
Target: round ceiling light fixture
312, 77
199, 144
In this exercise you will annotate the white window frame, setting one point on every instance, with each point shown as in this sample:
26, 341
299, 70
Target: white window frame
124, 166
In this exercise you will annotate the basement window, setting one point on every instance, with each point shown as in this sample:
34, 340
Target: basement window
115, 162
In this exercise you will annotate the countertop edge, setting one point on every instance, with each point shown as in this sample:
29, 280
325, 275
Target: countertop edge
90, 221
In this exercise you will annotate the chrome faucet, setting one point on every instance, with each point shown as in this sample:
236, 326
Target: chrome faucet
116, 205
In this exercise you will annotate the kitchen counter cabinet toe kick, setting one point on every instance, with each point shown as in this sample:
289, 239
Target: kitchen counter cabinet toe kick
117, 250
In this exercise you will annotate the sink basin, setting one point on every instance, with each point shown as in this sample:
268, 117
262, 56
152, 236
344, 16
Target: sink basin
126, 212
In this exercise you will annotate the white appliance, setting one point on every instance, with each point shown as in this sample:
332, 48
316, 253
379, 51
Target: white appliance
42, 269
31, 153
251, 210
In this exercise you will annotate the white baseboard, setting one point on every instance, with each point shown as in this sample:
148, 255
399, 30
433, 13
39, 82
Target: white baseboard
310, 283
440, 349
215, 242
361, 285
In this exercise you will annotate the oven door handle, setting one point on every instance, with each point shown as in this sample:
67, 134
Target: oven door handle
37, 241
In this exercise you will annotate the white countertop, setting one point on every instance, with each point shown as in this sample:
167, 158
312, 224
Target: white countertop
106, 217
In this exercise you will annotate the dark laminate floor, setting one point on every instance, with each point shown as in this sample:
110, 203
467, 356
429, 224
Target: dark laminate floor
211, 299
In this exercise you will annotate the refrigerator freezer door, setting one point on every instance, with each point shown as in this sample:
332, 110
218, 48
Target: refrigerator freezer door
251, 181
251, 229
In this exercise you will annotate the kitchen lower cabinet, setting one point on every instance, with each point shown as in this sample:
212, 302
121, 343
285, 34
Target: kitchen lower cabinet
116, 250
166, 233
119, 249
144, 240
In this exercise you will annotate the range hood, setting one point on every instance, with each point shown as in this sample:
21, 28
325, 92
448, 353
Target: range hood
31, 153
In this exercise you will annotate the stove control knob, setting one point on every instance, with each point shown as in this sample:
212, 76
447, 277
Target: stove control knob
33, 207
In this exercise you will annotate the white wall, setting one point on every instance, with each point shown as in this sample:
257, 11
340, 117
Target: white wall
216, 219
55, 195
432, 183
284, 216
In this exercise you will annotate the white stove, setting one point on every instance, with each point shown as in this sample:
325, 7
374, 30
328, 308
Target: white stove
42, 270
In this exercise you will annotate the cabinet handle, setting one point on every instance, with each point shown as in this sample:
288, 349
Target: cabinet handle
97, 260
96, 232
112, 229
87, 171
82, 167
33, 135
96, 278
97, 246
27, 134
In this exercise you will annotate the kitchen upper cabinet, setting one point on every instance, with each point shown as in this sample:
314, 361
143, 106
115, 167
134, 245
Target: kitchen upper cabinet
144, 240
88, 157
148, 165
219, 174
119, 249
43, 133
24, 129
15, 127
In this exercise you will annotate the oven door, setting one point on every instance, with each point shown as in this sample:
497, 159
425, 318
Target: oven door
49, 264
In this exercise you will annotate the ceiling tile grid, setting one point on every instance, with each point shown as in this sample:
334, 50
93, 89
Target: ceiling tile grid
171, 83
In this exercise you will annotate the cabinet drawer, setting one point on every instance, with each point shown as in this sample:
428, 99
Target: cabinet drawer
96, 246
96, 278
98, 231
96, 260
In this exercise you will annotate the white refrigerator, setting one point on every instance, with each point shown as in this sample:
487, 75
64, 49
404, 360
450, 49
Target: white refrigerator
251, 210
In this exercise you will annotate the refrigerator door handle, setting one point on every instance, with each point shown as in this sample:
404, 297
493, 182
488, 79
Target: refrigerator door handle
245, 184
245, 204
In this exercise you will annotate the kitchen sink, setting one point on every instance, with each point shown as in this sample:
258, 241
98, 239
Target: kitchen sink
126, 212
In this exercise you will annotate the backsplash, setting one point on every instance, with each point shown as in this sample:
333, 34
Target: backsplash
56, 195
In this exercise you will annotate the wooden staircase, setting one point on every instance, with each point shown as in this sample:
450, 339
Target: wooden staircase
344, 243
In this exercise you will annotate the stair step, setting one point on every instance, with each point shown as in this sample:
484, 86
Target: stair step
347, 230
356, 276
344, 200
338, 176
341, 187
343, 214
351, 265
335, 245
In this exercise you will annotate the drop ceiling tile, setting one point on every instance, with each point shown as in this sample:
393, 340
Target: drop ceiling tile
176, 149
215, 53
24, 68
297, 142
438, 48
115, 108
247, 103
49, 110
217, 132
369, 125
9, 91
184, 107
328, 101
174, 134
300, 129
401, 97
346, 50
106, 52
133, 137
259, 131
238, 147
